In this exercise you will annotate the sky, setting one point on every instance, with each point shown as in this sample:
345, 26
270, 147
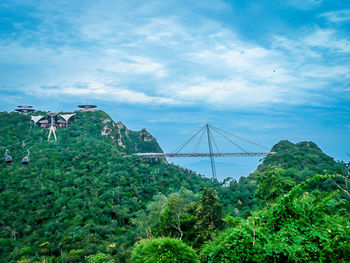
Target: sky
263, 70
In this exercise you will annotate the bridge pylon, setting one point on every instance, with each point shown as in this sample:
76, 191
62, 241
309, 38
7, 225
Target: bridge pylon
208, 130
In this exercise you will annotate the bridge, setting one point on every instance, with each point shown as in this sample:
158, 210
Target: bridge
155, 155
208, 130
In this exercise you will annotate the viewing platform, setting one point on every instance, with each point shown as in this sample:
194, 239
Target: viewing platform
25, 109
87, 107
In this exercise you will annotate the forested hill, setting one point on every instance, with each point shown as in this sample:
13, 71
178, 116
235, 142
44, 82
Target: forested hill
81, 199
289, 165
302, 156
79, 195
92, 124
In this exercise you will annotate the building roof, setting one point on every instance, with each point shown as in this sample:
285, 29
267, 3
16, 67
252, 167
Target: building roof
66, 117
87, 106
25, 107
35, 119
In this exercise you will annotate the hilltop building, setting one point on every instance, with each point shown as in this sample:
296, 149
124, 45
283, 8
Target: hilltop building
52, 120
58, 120
64, 118
25, 109
44, 124
87, 107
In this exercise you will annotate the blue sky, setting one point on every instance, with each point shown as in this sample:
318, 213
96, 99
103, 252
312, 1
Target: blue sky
264, 70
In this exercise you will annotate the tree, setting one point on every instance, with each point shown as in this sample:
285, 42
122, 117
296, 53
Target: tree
170, 217
99, 258
208, 215
272, 184
163, 250
178, 214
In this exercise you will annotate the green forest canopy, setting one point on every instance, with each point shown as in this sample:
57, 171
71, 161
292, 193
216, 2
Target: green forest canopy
80, 199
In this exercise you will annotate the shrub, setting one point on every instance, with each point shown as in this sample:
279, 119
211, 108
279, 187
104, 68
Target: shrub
163, 250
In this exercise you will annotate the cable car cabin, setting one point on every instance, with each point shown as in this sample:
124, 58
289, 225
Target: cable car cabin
8, 159
25, 161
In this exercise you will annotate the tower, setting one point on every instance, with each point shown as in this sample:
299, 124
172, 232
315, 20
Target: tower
52, 129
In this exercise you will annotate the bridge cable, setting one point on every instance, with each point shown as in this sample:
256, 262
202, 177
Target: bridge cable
241, 138
199, 142
229, 140
188, 141
212, 138
212, 161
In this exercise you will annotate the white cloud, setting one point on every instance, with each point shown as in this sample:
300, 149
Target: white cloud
323, 71
226, 71
292, 71
313, 45
304, 4
162, 60
234, 93
102, 92
337, 16
133, 65
327, 39
161, 31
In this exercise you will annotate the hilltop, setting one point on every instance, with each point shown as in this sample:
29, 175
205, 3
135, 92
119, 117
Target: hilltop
297, 162
302, 156
96, 125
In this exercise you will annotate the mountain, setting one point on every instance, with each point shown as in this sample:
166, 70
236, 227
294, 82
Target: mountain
86, 195
128, 141
298, 162
80, 195
17, 127
301, 157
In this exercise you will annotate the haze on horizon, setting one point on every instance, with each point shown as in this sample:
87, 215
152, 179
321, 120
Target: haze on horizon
265, 71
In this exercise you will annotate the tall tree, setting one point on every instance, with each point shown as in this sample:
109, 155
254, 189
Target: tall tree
209, 215
170, 218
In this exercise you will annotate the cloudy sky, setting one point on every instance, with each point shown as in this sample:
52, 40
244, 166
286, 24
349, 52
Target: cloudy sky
264, 70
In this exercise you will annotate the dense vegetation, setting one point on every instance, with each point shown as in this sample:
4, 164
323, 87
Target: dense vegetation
312, 227
167, 250
81, 200
79, 195
295, 163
